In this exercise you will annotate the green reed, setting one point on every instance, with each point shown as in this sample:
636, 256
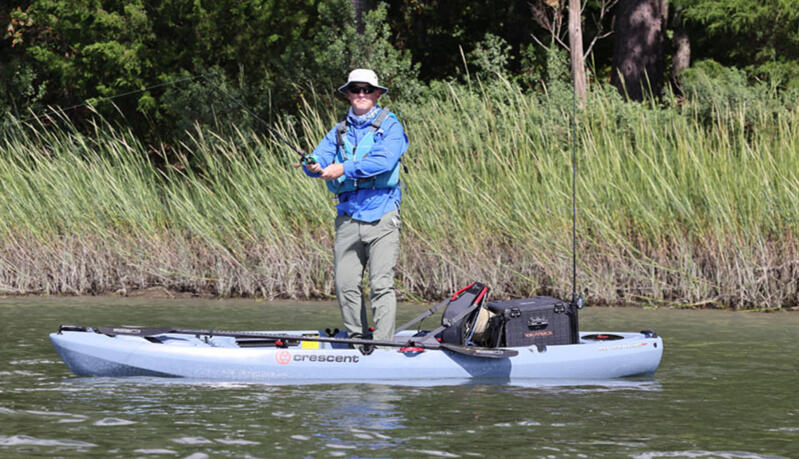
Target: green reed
673, 207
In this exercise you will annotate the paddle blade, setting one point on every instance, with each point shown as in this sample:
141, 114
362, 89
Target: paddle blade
480, 351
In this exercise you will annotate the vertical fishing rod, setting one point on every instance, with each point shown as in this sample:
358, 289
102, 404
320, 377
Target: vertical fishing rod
577, 301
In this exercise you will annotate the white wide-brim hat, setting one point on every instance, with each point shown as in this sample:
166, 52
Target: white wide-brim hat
363, 76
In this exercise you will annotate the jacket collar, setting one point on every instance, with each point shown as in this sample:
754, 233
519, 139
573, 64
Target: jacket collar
360, 120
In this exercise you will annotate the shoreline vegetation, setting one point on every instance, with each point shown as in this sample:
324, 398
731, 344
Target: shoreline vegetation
678, 204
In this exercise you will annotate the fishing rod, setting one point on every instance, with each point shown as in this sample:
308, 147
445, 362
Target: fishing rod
577, 301
304, 157
59, 110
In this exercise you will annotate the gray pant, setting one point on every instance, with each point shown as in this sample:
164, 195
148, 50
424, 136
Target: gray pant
359, 243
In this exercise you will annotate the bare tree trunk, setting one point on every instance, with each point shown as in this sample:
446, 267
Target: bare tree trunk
360, 7
576, 48
638, 49
682, 52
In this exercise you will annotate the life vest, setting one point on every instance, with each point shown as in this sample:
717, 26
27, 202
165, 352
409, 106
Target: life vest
345, 150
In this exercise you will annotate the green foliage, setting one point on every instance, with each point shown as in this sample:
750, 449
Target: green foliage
711, 82
87, 49
19, 89
490, 57
93, 49
713, 90
197, 102
547, 70
760, 37
322, 61
266, 52
279, 55
435, 31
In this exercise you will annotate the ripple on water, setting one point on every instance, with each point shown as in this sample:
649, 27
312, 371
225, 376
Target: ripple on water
19, 373
432, 452
701, 453
34, 362
192, 440
528, 423
64, 417
19, 440
155, 451
340, 446
111, 422
233, 441
197, 456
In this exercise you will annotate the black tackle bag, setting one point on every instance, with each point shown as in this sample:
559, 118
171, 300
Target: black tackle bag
461, 314
542, 320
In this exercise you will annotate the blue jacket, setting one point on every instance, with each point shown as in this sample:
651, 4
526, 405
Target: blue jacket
368, 204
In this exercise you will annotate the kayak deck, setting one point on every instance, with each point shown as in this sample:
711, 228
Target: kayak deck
598, 356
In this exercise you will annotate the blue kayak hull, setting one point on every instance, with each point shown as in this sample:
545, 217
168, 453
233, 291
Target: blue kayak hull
88, 353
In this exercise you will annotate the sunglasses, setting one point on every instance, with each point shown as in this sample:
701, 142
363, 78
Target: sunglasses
360, 89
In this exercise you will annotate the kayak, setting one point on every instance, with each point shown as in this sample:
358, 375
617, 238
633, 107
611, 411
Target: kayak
312, 356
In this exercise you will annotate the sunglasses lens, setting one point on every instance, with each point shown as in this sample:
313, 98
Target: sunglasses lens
361, 89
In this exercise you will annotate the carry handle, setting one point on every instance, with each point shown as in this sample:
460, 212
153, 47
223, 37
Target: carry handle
537, 323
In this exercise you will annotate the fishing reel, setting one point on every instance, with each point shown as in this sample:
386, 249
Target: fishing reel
579, 300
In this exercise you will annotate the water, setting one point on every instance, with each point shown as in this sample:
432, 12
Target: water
726, 389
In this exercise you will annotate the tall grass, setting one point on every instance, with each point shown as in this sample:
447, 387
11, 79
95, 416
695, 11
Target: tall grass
673, 207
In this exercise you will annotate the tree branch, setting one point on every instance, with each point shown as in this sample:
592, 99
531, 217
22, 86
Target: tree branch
552, 23
606, 6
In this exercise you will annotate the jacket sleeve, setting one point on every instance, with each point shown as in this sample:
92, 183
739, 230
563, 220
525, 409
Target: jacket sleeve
324, 152
390, 144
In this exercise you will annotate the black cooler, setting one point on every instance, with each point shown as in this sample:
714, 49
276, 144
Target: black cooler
542, 320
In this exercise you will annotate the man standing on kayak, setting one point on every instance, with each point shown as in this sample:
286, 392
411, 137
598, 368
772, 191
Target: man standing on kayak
359, 160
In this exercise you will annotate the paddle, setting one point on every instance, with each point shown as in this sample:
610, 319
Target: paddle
422, 316
474, 351
425, 344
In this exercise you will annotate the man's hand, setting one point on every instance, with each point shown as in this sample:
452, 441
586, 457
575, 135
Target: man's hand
309, 161
313, 168
332, 171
